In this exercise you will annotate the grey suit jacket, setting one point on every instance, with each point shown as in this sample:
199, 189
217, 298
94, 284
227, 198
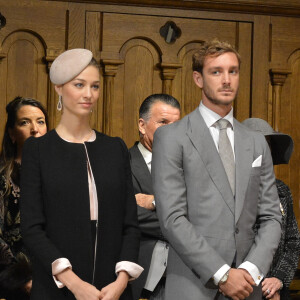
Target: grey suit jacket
198, 214
148, 221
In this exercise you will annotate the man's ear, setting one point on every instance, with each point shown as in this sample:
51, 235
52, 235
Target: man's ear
142, 124
198, 79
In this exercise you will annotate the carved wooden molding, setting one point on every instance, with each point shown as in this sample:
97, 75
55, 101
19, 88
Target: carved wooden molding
278, 76
169, 70
270, 7
110, 68
51, 54
168, 73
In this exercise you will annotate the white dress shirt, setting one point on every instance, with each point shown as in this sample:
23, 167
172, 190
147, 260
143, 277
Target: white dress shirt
210, 119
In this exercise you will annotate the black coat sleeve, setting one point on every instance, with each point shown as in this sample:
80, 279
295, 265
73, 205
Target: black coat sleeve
32, 208
131, 232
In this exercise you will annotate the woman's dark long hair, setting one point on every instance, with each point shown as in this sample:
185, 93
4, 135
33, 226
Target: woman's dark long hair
9, 149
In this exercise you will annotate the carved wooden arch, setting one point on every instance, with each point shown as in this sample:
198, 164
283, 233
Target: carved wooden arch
168, 70
294, 56
140, 41
139, 77
190, 93
17, 48
22, 70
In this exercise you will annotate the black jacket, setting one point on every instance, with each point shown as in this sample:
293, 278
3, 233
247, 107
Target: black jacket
148, 221
55, 210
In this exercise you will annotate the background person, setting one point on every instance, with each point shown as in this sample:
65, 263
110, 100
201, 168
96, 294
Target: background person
78, 207
156, 110
285, 262
25, 117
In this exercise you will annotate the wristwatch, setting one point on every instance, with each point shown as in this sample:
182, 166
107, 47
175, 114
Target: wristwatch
224, 278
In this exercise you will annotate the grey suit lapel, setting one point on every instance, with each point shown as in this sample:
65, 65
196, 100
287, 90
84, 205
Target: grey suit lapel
202, 140
140, 170
243, 161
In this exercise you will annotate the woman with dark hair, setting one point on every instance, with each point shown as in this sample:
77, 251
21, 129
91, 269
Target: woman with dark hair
25, 117
79, 218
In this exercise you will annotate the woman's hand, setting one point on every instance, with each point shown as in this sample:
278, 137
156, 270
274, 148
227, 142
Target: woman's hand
85, 291
276, 296
81, 290
114, 290
270, 286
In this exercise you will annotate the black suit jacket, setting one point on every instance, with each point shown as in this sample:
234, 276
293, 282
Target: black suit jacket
55, 210
148, 221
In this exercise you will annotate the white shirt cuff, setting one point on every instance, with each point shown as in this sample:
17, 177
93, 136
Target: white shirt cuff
133, 269
220, 273
58, 266
253, 271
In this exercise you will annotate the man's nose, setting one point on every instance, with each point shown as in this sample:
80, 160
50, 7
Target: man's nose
226, 78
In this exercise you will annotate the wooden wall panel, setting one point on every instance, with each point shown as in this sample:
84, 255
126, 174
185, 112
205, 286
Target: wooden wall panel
244, 46
140, 78
285, 57
76, 26
93, 31
188, 93
118, 28
260, 76
25, 72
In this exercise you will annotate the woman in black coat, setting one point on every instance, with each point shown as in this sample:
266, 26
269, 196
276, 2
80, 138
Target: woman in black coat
78, 209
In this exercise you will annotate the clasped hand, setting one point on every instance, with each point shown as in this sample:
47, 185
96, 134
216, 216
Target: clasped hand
238, 285
86, 291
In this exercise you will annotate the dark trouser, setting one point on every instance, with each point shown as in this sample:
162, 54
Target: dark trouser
158, 293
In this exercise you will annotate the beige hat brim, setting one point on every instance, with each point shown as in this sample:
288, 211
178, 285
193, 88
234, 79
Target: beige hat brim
69, 64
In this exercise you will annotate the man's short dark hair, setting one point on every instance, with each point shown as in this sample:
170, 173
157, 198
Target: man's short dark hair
212, 48
144, 112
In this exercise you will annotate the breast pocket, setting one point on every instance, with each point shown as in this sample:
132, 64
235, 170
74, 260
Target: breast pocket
255, 171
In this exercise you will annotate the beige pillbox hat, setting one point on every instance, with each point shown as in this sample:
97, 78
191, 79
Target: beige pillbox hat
69, 64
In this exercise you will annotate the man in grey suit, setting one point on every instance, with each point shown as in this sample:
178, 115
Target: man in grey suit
212, 184
155, 111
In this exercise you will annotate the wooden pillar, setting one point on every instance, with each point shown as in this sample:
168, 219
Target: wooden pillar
168, 72
110, 68
278, 78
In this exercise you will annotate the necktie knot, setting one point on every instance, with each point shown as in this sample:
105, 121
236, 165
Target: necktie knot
223, 124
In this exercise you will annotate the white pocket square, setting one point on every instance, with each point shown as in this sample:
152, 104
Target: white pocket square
257, 162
